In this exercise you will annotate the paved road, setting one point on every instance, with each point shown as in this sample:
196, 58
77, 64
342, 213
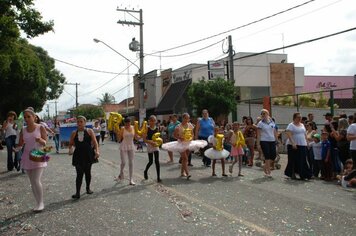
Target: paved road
204, 205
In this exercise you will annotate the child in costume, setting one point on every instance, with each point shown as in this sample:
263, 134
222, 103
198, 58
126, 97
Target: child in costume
237, 142
152, 146
185, 143
217, 152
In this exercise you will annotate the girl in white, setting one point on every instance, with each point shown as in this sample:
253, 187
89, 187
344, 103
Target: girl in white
125, 137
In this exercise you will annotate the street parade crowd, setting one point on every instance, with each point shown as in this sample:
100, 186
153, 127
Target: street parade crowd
327, 153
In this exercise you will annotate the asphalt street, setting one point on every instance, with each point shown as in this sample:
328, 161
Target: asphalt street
203, 205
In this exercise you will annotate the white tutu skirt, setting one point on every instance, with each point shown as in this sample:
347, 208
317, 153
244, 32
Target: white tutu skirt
179, 146
215, 154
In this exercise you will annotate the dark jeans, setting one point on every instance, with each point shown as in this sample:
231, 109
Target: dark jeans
318, 168
206, 160
12, 159
56, 141
353, 156
102, 134
81, 171
150, 162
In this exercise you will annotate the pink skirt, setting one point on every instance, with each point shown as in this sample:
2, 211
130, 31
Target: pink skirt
236, 151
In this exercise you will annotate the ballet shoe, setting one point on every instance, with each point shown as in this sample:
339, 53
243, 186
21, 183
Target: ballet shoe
76, 196
159, 180
145, 175
188, 177
89, 191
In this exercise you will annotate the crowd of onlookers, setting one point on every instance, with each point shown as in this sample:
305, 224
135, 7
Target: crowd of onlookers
325, 151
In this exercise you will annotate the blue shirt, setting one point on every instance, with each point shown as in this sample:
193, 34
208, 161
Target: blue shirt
325, 147
206, 127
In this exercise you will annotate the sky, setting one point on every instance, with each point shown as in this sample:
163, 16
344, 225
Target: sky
172, 23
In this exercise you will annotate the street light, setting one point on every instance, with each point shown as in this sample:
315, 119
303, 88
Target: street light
132, 63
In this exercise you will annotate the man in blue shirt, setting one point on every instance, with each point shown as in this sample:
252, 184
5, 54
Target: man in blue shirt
205, 128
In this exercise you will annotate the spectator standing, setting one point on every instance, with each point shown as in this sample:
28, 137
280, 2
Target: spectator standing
102, 130
97, 130
10, 129
266, 140
297, 149
56, 130
311, 121
174, 122
205, 128
351, 136
250, 134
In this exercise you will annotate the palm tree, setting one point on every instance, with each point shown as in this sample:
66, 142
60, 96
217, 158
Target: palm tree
106, 99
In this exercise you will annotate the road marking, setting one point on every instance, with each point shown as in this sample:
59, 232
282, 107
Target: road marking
226, 214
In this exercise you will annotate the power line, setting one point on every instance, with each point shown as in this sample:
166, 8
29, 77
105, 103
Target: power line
236, 28
187, 53
297, 44
89, 69
107, 81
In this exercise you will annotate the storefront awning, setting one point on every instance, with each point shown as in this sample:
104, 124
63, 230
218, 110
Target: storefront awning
169, 101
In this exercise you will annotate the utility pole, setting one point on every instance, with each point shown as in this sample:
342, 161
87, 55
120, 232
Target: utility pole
139, 22
231, 70
231, 59
47, 111
76, 93
55, 108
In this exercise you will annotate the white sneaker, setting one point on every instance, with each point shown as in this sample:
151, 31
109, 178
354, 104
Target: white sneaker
344, 183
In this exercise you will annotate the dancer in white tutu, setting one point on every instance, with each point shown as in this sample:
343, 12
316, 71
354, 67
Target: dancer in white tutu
217, 152
184, 144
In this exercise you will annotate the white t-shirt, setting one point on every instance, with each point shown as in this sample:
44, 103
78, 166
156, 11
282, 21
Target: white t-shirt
298, 134
103, 127
352, 130
316, 150
9, 131
267, 130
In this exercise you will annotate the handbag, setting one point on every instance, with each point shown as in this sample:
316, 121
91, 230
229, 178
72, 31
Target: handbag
94, 159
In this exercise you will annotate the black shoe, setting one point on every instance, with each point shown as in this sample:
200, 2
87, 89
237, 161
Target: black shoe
145, 175
89, 191
190, 164
159, 180
76, 196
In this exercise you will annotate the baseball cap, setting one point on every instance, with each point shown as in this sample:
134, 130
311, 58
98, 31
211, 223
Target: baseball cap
316, 136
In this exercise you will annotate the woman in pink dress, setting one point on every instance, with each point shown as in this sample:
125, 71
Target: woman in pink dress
34, 136
125, 137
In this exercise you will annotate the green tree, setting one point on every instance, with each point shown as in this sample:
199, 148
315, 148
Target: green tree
27, 73
218, 96
106, 99
89, 111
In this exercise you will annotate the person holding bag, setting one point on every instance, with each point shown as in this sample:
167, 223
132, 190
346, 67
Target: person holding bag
86, 153
35, 137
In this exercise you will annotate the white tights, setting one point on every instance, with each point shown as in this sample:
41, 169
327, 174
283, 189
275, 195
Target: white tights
35, 176
130, 155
